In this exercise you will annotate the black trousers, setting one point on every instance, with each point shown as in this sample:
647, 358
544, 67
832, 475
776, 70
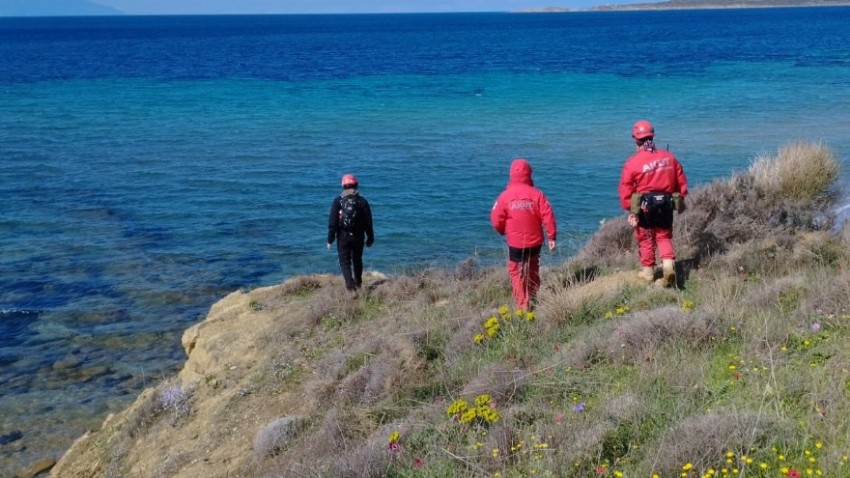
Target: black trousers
349, 249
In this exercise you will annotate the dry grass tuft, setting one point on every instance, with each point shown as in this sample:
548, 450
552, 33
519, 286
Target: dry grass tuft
500, 382
827, 300
612, 246
637, 337
301, 285
701, 439
273, 437
798, 171
640, 336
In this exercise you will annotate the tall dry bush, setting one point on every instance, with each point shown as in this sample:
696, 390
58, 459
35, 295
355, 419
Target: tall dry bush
799, 170
613, 245
779, 195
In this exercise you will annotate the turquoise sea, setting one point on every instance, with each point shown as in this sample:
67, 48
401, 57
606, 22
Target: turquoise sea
151, 165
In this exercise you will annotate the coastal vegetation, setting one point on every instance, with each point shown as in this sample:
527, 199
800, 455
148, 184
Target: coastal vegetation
741, 370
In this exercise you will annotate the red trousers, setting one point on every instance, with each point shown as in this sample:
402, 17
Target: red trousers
650, 238
525, 279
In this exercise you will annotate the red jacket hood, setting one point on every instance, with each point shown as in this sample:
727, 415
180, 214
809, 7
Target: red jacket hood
521, 172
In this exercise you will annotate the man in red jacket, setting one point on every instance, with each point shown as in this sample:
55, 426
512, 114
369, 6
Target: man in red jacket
520, 213
652, 186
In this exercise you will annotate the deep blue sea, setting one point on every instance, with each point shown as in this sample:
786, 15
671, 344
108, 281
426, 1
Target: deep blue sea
151, 165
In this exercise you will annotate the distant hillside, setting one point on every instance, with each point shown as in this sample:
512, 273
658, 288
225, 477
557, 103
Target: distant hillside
696, 4
701, 4
33, 8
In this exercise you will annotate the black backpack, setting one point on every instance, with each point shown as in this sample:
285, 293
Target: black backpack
349, 213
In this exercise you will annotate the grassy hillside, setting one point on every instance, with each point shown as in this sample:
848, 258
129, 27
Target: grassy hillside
740, 371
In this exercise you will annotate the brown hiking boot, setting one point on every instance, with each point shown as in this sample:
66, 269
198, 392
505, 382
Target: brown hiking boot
668, 273
646, 274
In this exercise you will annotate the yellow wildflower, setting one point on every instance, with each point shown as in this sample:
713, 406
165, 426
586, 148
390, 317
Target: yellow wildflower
458, 406
482, 400
467, 416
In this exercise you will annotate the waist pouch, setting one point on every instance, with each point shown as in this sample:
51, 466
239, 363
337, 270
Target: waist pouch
656, 210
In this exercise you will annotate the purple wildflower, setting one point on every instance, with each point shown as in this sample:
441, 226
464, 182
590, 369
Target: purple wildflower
579, 408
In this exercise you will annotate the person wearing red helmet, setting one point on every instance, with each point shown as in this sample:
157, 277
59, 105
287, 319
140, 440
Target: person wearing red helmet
520, 213
350, 224
652, 186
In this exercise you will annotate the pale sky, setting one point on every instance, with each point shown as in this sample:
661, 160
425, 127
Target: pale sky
153, 7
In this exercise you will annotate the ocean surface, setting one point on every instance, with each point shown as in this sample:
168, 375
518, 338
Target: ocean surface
151, 165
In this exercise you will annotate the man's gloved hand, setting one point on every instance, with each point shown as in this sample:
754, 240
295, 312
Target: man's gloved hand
370, 242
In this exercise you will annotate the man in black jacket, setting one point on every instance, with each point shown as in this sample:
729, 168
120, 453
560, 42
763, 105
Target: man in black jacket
350, 223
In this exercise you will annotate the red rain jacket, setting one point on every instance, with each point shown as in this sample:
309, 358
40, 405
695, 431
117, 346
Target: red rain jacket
647, 171
522, 210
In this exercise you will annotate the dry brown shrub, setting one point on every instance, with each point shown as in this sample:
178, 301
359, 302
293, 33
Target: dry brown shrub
369, 383
704, 439
799, 170
626, 407
640, 336
301, 285
586, 439
828, 299
492, 288
467, 270
462, 330
276, 435
637, 336
403, 288
559, 304
498, 381
503, 438
387, 362
330, 302
580, 443
613, 245
736, 211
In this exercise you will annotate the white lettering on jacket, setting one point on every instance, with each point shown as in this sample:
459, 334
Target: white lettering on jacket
522, 204
658, 164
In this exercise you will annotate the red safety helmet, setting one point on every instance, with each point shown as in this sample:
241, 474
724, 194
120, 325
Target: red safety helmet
643, 129
349, 180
